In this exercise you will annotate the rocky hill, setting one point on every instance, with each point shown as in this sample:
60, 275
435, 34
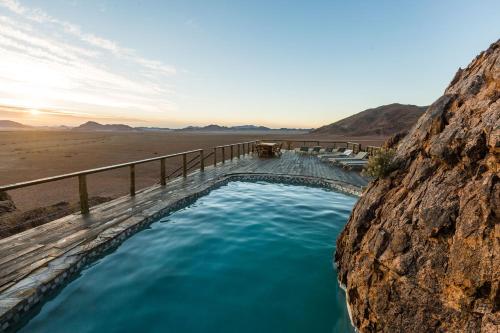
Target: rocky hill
421, 250
384, 120
91, 126
12, 124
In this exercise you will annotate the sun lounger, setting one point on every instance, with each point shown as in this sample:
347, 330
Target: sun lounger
302, 150
345, 153
326, 150
315, 150
329, 152
359, 156
353, 164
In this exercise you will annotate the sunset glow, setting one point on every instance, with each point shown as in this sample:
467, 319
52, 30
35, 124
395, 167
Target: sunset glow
224, 63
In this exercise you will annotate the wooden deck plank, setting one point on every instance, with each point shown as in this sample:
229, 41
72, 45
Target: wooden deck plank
22, 253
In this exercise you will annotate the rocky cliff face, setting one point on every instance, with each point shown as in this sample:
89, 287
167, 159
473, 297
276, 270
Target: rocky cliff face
421, 251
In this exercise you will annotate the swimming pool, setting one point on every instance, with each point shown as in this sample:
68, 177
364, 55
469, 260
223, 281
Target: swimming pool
247, 257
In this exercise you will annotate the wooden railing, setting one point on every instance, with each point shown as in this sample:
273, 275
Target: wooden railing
198, 159
187, 165
290, 144
240, 150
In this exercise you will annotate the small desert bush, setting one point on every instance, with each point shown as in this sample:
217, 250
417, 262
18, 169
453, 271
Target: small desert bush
380, 164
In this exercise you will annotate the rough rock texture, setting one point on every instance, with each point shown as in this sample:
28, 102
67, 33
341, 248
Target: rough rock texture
421, 251
6, 203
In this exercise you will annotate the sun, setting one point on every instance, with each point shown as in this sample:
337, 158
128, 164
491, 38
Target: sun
34, 112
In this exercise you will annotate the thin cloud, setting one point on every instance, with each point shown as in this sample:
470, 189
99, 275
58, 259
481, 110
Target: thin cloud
40, 16
50, 63
12, 112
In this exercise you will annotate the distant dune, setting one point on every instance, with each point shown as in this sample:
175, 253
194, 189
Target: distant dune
12, 124
384, 120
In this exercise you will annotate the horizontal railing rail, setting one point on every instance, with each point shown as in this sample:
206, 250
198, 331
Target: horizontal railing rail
89, 171
229, 151
186, 166
182, 166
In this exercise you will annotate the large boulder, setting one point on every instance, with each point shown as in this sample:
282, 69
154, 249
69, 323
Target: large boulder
421, 250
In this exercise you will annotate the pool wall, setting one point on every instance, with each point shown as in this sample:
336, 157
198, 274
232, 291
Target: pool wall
17, 301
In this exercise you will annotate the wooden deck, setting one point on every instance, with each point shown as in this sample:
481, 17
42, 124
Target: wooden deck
29, 259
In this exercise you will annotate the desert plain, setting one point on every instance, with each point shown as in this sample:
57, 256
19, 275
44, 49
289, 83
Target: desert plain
33, 154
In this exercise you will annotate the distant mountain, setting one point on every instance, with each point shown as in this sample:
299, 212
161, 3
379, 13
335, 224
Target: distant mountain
384, 120
241, 128
92, 126
12, 124
209, 128
251, 128
153, 129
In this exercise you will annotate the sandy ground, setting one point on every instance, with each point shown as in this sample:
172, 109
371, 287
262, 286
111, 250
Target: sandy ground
28, 155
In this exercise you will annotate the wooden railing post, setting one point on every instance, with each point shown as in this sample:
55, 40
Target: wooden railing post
231, 152
202, 162
215, 157
132, 180
184, 165
163, 180
289, 145
84, 196
238, 150
223, 155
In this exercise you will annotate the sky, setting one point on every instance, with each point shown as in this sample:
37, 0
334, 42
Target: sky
273, 63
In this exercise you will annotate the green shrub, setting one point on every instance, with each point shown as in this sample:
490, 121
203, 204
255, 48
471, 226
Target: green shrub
380, 164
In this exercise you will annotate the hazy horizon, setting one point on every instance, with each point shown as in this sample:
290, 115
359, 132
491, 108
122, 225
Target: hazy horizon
180, 63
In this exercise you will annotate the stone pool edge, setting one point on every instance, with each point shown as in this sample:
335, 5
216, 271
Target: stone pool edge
17, 301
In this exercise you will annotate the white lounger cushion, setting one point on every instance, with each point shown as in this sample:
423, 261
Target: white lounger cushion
359, 156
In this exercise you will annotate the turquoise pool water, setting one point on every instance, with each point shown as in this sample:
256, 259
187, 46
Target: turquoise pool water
248, 257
